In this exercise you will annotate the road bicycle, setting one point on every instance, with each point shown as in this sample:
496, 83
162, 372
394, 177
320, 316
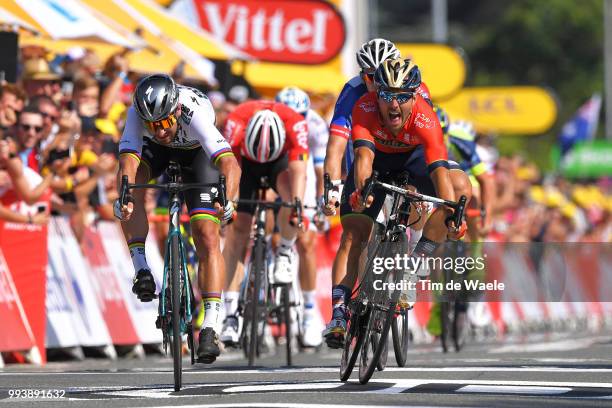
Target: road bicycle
262, 301
176, 299
373, 304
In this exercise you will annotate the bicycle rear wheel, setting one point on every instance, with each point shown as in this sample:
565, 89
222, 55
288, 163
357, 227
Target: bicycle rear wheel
401, 336
175, 280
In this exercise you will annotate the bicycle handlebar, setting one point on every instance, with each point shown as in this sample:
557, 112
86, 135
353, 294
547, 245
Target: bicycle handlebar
173, 187
458, 206
273, 205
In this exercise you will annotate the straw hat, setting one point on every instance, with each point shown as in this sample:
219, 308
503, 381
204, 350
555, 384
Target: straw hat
38, 69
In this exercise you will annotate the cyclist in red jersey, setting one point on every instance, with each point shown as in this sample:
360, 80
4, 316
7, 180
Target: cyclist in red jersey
394, 129
272, 140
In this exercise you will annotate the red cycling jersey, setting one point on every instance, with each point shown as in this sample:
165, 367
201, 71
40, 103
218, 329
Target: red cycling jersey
422, 128
296, 129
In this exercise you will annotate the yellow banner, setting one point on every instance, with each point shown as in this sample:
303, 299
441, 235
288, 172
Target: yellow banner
442, 67
526, 110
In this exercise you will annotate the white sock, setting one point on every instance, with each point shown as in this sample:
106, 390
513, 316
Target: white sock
310, 299
231, 302
286, 244
137, 252
415, 236
212, 309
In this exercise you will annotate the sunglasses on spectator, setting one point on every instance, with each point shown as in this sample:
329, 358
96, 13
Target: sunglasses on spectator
26, 128
161, 124
388, 96
57, 154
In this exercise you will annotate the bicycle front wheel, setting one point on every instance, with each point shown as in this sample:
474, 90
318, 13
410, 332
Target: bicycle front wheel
401, 336
175, 280
352, 345
287, 317
255, 303
382, 310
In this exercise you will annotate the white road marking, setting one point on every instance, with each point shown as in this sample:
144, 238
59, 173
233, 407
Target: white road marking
284, 387
513, 389
562, 345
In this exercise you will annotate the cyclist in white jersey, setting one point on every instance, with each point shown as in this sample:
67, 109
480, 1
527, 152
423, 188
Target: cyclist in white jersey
318, 135
169, 122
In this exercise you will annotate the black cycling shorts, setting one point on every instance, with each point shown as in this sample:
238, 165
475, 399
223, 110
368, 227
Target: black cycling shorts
387, 165
196, 167
252, 172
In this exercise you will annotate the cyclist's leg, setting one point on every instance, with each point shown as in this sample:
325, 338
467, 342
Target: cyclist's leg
154, 160
356, 229
311, 326
205, 229
284, 260
234, 252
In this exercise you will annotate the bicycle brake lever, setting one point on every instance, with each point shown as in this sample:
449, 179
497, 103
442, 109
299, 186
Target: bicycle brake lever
367, 189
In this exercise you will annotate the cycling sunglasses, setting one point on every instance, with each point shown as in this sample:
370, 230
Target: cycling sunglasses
163, 124
387, 96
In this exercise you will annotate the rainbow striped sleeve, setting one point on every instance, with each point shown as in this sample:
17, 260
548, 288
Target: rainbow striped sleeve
130, 153
226, 151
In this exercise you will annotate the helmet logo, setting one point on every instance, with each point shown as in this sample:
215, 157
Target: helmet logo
149, 92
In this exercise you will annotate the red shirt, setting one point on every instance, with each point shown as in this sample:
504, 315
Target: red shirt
422, 128
296, 129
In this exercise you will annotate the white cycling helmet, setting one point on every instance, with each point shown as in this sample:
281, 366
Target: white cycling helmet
374, 52
265, 137
295, 98
462, 129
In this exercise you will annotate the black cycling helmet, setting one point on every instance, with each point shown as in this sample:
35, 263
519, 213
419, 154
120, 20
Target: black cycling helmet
156, 97
399, 74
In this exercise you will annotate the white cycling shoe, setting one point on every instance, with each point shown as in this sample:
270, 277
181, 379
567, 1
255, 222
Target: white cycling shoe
311, 330
230, 333
284, 267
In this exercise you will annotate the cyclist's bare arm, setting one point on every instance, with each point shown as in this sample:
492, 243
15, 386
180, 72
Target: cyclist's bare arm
333, 156
364, 158
228, 166
297, 178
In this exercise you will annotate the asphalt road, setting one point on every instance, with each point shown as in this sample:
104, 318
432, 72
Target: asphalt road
535, 371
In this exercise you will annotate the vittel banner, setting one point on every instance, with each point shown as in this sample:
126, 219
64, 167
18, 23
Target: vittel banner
300, 31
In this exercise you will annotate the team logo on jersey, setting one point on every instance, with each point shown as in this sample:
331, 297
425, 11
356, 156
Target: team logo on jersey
367, 106
205, 197
422, 121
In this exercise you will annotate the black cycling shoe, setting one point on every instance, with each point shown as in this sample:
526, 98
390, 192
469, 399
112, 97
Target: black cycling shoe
208, 349
144, 286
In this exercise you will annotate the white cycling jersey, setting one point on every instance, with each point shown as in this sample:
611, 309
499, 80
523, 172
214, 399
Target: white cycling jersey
196, 127
318, 134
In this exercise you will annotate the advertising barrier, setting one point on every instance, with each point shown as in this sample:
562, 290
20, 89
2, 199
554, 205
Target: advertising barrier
109, 292
25, 251
16, 333
73, 314
143, 314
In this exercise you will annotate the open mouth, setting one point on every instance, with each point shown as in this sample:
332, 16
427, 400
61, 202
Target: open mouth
395, 117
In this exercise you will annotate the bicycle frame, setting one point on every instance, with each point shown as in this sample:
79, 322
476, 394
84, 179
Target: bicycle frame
175, 230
